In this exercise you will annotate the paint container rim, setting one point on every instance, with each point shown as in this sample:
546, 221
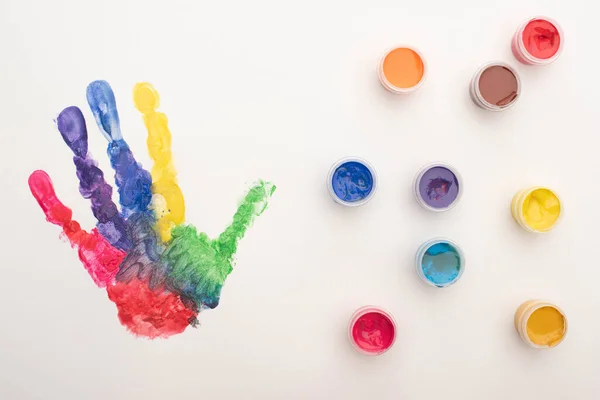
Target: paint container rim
395, 89
522, 50
417, 180
334, 168
421, 252
363, 311
476, 92
532, 306
517, 208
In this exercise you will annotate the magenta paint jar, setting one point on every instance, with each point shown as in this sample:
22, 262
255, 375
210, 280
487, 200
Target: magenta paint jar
372, 330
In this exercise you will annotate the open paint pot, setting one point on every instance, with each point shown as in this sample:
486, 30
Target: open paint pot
541, 324
536, 209
538, 41
495, 87
402, 70
438, 187
372, 330
440, 262
352, 181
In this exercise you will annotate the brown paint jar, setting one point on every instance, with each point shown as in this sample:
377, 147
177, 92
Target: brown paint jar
495, 87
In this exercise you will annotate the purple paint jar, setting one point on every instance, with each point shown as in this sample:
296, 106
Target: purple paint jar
438, 187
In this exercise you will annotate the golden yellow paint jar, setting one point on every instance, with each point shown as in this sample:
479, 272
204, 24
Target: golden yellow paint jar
537, 209
541, 324
402, 70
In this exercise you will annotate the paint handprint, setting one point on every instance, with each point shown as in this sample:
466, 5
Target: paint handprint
158, 271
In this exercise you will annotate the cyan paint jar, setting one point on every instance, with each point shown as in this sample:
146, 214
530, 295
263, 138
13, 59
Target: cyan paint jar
440, 262
352, 181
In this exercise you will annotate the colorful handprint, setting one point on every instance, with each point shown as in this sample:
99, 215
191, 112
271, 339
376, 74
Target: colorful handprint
160, 272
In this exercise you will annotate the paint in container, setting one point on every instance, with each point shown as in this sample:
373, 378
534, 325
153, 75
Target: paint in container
536, 209
541, 324
495, 87
352, 181
372, 330
438, 187
538, 41
402, 70
440, 262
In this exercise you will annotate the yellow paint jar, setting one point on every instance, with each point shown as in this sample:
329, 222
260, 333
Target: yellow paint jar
536, 209
541, 324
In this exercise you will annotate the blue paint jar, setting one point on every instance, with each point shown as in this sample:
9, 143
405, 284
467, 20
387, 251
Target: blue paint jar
352, 181
440, 262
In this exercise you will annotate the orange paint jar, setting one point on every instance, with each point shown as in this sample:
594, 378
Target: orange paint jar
402, 70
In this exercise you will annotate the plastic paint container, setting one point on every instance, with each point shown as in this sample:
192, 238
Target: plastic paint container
536, 209
402, 70
372, 330
352, 181
538, 41
440, 262
438, 187
541, 324
495, 87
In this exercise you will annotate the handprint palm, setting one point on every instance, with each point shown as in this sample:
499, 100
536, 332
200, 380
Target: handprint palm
158, 271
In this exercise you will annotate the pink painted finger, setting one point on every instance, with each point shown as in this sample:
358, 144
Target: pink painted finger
99, 258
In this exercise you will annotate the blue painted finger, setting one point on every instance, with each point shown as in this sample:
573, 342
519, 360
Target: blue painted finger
133, 181
92, 186
102, 102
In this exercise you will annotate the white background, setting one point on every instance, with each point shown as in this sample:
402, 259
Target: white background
280, 91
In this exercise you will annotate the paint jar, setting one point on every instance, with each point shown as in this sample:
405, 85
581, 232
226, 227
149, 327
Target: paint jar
438, 187
495, 87
536, 209
538, 41
402, 70
352, 181
541, 324
372, 330
440, 262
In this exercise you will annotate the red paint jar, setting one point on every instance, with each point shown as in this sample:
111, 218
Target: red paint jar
372, 330
538, 41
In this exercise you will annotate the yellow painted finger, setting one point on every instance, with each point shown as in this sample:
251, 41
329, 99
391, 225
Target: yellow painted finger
171, 211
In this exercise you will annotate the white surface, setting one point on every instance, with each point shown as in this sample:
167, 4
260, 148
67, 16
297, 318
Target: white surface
266, 89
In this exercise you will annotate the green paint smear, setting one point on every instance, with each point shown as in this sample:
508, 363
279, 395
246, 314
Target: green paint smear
198, 265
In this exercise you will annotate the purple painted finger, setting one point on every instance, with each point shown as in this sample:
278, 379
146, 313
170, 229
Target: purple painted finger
92, 186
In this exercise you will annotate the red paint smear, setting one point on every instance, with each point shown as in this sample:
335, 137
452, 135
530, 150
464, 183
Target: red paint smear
149, 312
99, 257
373, 332
541, 39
